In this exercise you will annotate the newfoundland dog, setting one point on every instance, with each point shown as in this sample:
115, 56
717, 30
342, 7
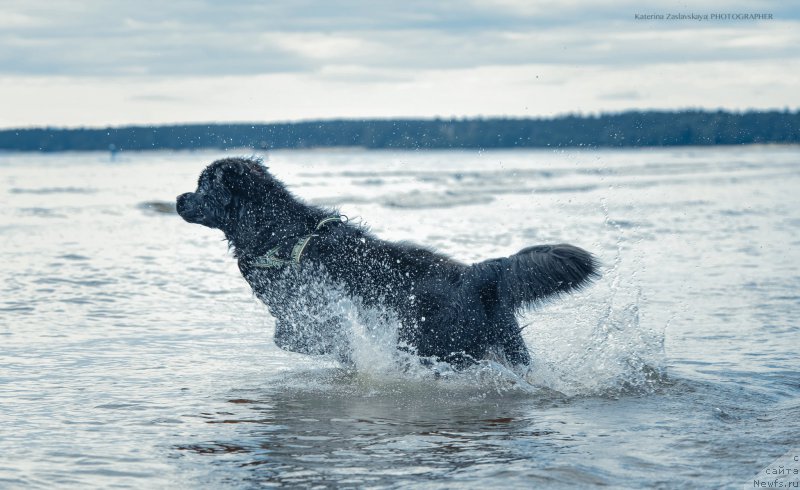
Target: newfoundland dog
303, 261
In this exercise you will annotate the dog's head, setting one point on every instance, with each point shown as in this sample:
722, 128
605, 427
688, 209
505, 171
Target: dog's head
223, 190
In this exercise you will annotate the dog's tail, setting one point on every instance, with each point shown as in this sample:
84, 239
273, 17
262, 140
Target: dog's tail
536, 273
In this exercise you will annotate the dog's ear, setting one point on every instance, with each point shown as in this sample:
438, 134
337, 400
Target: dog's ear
240, 176
230, 167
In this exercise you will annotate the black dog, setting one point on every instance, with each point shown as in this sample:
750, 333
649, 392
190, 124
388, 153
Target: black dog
295, 255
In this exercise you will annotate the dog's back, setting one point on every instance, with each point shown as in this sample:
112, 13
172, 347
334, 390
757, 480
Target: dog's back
462, 315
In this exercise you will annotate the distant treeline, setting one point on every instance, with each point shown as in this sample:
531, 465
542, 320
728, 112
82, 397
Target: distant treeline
632, 129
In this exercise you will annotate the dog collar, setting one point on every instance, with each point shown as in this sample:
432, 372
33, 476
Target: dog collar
270, 260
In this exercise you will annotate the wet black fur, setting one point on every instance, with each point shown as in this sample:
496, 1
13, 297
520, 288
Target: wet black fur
448, 310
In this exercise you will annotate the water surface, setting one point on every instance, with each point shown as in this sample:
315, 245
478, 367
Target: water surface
132, 353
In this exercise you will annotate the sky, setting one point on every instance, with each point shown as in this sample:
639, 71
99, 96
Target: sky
80, 63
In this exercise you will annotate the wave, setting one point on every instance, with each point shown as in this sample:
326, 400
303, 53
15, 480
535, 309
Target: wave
52, 190
158, 207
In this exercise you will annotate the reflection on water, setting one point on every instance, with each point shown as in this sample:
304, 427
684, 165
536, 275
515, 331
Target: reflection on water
335, 427
298, 437
133, 354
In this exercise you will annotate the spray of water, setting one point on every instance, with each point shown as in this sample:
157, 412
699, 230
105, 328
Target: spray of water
587, 344
596, 342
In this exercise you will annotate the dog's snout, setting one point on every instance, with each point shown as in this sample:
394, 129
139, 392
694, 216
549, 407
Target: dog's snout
186, 207
191, 208
180, 201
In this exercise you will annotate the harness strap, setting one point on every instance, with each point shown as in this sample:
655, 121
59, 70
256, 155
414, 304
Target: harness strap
330, 219
271, 260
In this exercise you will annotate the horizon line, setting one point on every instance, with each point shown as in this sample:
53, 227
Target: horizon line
565, 115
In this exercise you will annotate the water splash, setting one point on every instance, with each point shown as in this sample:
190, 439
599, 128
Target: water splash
588, 344
591, 343
596, 342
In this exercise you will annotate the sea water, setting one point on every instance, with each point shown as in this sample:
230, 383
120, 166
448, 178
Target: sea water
133, 354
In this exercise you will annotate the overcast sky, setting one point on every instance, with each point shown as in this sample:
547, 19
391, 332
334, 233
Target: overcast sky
96, 63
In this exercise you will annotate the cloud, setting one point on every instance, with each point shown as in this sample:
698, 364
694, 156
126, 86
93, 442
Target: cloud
103, 62
524, 90
155, 98
182, 38
622, 95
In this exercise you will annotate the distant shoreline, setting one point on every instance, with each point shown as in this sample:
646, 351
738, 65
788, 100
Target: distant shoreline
633, 129
258, 152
